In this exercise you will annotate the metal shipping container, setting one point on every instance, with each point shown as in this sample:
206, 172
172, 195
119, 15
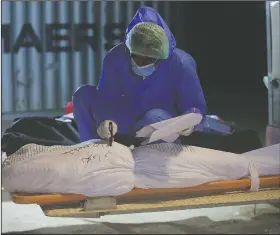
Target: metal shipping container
50, 48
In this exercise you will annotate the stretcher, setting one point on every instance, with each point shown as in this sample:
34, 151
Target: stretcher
224, 193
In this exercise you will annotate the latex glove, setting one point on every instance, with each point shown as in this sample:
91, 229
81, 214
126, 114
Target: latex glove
103, 129
187, 132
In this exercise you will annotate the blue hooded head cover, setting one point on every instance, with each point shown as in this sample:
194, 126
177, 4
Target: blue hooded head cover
148, 14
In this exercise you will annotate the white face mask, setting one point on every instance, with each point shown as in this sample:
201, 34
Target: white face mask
143, 71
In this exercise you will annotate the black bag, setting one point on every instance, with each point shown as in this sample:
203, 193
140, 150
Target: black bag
38, 130
240, 141
49, 131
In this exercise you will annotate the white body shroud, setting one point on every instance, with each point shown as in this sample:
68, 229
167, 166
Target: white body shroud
89, 168
99, 170
170, 165
266, 160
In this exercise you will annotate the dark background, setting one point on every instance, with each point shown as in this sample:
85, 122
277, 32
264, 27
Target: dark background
228, 42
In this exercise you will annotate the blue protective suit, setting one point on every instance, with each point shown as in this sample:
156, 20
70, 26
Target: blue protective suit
125, 97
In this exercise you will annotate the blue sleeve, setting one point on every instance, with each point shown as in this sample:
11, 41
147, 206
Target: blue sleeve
113, 105
106, 82
108, 91
189, 94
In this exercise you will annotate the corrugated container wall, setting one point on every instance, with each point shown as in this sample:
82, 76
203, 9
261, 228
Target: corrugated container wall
51, 48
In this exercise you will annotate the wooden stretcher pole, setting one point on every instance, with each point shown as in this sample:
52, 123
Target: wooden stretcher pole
135, 194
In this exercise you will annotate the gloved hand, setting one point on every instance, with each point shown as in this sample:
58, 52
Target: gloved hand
103, 129
187, 132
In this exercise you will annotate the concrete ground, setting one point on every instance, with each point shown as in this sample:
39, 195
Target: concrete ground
260, 219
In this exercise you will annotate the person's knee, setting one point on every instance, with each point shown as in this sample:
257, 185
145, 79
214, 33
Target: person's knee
156, 115
83, 94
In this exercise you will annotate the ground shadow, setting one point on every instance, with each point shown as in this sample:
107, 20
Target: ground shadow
263, 224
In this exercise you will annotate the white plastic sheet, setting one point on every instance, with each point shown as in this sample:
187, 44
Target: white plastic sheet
266, 160
169, 165
89, 168
168, 130
95, 169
